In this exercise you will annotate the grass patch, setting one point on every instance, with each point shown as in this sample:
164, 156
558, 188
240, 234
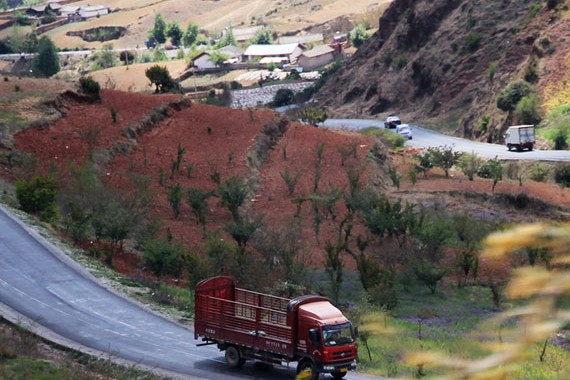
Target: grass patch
454, 322
392, 140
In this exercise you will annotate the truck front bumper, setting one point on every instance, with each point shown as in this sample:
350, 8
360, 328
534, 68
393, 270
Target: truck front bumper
338, 367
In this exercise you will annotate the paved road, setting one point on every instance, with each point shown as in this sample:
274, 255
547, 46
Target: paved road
40, 283
425, 138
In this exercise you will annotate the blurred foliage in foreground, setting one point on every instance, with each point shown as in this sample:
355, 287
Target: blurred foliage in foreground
542, 295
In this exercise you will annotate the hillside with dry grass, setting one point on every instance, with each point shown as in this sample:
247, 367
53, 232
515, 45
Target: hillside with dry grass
283, 17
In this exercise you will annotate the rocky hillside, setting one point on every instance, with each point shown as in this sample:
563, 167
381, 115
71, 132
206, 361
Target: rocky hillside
442, 63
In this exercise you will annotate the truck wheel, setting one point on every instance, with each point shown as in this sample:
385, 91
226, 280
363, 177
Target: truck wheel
338, 375
530, 148
233, 357
307, 365
509, 147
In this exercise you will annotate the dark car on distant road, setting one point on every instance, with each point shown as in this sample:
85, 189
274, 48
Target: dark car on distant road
392, 122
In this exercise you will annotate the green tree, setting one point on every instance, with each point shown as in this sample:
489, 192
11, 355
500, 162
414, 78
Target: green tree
358, 36
190, 35
283, 97
263, 37
90, 87
528, 109
31, 42
17, 38
175, 198
312, 116
424, 162
105, 58
160, 77
175, 33
227, 39
444, 157
492, 169
198, 201
281, 248
512, 94
562, 174
334, 268
469, 164
158, 31
38, 196
218, 58
232, 194
46, 60
163, 257
158, 54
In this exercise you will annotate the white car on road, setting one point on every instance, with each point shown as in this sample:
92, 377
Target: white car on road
404, 130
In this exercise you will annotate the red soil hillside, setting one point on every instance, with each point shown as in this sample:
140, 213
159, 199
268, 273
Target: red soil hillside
149, 130
215, 139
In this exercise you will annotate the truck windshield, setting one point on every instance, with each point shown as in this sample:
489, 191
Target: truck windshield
338, 335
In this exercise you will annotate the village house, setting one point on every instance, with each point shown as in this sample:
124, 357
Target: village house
49, 9
234, 53
316, 57
315, 38
287, 53
242, 35
90, 11
202, 61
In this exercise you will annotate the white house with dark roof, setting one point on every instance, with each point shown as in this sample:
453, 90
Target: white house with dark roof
288, 52
316, 57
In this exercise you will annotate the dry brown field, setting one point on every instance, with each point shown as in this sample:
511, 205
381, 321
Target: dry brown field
213, 16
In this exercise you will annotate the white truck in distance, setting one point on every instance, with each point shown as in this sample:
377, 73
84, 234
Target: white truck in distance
520, 137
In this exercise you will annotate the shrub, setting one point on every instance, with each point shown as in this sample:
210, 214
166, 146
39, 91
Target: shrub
444, 157
491, 70
160, 77
312, 116
283, 97
469, 164
90, 87
163, 257
424, 162
512, 94
400, 61
562, 174
290, 180
473, 42
528, 109
358, 36
560, 139
38, 197
392, 140
539, 172
492, 169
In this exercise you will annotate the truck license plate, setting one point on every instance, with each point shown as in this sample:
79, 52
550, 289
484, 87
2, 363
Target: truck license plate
343, 370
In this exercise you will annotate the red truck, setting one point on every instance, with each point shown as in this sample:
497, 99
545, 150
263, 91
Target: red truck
255, 326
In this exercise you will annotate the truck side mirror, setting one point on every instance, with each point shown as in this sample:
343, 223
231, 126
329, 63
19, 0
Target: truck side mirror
314, 336
356, 331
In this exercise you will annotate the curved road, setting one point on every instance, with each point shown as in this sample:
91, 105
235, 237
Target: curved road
425, 138
42, 289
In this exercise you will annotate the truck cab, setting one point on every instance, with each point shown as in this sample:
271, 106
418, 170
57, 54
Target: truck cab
327, 339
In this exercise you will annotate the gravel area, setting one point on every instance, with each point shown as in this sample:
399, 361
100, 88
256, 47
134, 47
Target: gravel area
262, 95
